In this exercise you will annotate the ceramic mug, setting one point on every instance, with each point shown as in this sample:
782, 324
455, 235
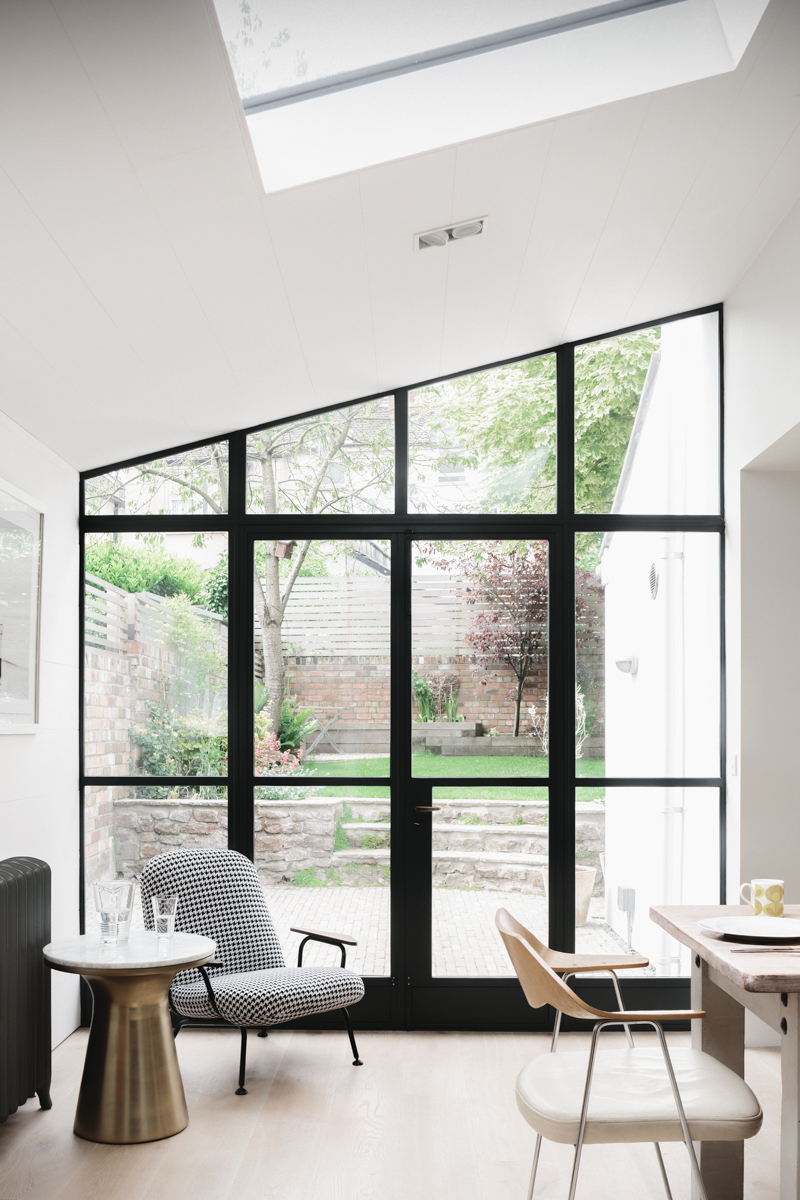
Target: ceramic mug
766, 898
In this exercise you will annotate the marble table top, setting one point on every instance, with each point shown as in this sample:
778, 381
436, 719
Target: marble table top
143, 949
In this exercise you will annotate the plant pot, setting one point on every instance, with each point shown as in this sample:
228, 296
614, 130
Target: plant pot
584, 885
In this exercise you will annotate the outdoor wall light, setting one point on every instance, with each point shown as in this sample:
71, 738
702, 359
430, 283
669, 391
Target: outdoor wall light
628, 666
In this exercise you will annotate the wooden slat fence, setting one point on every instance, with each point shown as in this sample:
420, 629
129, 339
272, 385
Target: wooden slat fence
113, 618
330, 617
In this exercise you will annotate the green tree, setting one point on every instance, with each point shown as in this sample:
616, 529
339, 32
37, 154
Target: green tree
503, 422
144, 566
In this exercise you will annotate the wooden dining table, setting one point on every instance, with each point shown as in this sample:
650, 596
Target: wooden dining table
724, 983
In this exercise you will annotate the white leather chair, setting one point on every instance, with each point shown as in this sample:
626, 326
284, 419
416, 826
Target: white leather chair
631, 1095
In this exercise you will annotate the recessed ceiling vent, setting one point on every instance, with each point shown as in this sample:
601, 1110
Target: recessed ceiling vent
451, 233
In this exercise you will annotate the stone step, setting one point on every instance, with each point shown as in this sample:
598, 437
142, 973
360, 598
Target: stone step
489, 812
496, 839
528, 861
355, 830
465, 869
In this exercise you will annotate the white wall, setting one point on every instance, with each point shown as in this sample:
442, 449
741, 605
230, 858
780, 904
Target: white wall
39, 772
762, 335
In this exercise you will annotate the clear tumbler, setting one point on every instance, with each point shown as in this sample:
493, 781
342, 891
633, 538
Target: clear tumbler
114, 902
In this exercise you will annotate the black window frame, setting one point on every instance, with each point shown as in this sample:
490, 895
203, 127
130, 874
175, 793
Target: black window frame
396, 1010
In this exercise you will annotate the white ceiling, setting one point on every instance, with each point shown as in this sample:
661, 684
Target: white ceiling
152, 294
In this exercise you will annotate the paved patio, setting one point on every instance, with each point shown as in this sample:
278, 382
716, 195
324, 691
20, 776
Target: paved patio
465, 941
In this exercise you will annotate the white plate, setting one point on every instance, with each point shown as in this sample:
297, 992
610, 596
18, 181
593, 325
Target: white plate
754, 929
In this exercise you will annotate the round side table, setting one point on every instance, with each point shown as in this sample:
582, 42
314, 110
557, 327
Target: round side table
131, 1089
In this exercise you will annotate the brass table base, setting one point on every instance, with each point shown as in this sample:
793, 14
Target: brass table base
131, 1089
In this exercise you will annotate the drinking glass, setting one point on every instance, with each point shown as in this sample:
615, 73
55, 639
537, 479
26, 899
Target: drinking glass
113, 900
164, 910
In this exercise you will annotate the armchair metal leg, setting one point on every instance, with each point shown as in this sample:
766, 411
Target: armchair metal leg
356, 1060
663, 1170
242, 1090
535, 1165
263, 1032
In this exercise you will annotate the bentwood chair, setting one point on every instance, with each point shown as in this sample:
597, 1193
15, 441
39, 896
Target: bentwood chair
631, 1095
568, 965
248, 984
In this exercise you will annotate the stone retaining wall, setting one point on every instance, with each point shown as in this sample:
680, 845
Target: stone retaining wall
476, 843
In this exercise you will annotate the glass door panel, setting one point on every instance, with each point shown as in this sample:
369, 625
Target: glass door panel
126, 825
321, 658
479, 635
156, 655
323, 856
489, 851
648, 654
639, 847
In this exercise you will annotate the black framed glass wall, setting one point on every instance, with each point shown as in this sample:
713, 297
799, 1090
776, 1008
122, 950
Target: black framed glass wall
495, 598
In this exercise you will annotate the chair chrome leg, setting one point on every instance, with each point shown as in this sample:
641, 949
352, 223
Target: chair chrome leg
627, 1028
687, 1137
663, 1170
535, 1165
242, 1090
356, 1060
557, 1022
573, 1183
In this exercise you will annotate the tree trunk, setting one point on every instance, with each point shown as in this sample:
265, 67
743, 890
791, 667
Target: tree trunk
270, 620
518, 703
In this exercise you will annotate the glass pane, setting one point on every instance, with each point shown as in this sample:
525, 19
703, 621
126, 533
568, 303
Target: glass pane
156, 654
479, 653
648, 655
323, 854
20, 560
335, 462
124, 827
642, 847
485, 442
647, 420
274, 46
321, 653
195, 481
490, 848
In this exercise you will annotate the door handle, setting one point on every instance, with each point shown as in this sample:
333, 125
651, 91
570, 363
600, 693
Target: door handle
427, 808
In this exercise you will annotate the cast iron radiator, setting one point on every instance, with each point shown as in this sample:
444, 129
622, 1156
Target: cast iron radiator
24, 983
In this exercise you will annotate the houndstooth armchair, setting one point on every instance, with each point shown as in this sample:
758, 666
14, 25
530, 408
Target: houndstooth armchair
248, 985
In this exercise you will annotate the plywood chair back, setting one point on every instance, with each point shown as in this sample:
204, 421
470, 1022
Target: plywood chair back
542, 985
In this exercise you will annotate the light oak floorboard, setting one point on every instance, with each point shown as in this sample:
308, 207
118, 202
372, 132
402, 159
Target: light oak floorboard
428, 1117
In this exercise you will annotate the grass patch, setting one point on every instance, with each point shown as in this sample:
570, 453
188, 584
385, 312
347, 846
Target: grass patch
308, 877
437, 767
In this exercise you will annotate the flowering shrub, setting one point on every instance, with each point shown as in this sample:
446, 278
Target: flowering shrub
272, 760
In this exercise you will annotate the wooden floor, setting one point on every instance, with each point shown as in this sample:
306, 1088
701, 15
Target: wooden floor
430, 1116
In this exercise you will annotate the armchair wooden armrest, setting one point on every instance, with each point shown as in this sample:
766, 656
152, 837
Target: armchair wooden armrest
317, 935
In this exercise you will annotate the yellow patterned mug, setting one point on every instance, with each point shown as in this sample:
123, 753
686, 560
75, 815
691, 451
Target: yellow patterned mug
767, 897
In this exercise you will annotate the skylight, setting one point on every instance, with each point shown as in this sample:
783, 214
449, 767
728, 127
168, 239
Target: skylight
283, 51
332, 87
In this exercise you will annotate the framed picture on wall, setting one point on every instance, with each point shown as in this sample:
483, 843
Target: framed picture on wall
21, 525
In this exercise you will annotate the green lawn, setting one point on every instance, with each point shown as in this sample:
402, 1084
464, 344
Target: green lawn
434, 766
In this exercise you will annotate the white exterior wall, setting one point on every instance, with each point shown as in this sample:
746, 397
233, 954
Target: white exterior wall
39, 771
762, 335
663, 720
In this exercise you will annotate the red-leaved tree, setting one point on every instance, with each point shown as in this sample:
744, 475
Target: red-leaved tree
507, 581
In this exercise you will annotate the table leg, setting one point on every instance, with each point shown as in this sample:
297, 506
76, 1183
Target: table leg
131, 1089
720, 1034
790, 1098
